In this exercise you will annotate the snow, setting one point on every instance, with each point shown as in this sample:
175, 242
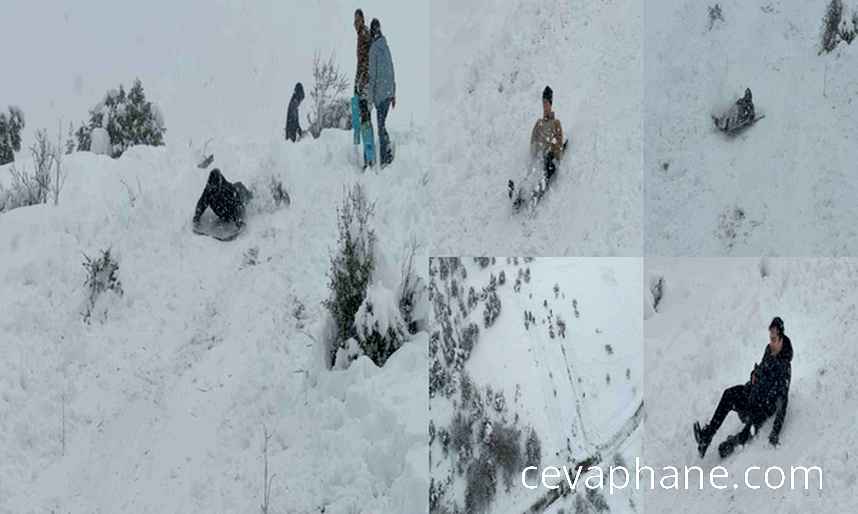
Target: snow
165, 393
708, 332
486, 101
556, 385
785, 186
100, 143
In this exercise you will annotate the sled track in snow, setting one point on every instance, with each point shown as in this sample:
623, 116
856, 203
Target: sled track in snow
607, 448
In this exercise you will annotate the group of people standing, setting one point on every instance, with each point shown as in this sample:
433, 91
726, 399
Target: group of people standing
374, 87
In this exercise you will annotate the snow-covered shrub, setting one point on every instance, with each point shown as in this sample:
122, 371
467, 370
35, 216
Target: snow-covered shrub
31, 188
532, 449
468, 339
129, 119
481, 485
329, 85
492, 309
380, 327
412, 293
101, 276
505, 450
831, 26
501, 278
483, 261
715, 15
10, 134
351, 265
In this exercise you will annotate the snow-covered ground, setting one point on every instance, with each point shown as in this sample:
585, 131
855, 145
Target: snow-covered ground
578, 391
161, 401
706, 333
787, 185
490, 63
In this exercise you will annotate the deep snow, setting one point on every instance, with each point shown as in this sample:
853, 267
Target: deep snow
708, 331
577, 392
490, 63
785, 186
165, 394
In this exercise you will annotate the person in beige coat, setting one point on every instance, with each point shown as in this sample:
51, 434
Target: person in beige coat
546, 140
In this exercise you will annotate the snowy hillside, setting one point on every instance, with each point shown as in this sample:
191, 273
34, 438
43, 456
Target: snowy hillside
165, 394
490, 63
548, 349
785, 186
160, 403
707, 332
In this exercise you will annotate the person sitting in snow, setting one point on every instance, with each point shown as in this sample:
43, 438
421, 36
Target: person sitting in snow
546, 140
746, 106
293, 126
227, 200
763, 396
381, 88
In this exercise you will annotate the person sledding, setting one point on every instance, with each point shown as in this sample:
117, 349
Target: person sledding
765, 395
547, 147
741, 114
227, 200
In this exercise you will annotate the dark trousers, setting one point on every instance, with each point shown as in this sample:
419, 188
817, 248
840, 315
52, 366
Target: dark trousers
381, 111
364, 111
734, 399
550, 166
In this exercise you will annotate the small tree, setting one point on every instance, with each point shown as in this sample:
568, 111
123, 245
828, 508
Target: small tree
831, 25
129, 118
10, 134
351, 265
329, 84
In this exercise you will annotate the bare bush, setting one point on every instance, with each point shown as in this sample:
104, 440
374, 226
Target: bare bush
102, 274
831, 26
329, 85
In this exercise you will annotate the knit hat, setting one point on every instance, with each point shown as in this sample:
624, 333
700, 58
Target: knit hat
548, 94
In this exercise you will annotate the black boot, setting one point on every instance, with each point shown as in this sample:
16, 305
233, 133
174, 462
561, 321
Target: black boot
703, 436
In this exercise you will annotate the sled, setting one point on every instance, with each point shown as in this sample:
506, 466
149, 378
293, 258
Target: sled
730, 124
530, 190
212, 226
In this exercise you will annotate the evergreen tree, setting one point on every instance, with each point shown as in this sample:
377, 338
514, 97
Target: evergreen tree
10, 134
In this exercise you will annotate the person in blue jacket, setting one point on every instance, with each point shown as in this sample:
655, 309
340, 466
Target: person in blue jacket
381, 89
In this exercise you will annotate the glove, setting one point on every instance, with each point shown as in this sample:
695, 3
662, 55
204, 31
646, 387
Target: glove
773, 439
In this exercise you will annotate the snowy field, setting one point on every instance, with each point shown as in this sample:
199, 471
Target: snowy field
785, 186
159, 404
490, 63
572, 374
707, 332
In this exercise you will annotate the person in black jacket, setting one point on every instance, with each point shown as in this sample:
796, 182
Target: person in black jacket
763, 396
293, 127
225, 199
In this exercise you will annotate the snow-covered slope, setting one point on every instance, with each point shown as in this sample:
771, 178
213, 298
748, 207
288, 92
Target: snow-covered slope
165, 399
490, 63
785, 186
708, 330
576, 387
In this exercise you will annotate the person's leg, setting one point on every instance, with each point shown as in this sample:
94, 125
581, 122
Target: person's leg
366, 133
549, 166
733, 399
383, 137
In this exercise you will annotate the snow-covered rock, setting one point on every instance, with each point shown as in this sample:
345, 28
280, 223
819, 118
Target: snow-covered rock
100, 141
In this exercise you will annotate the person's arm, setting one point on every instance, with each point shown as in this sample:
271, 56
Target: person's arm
558, 140
534, 140
392, 78
202, 203
372, 71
